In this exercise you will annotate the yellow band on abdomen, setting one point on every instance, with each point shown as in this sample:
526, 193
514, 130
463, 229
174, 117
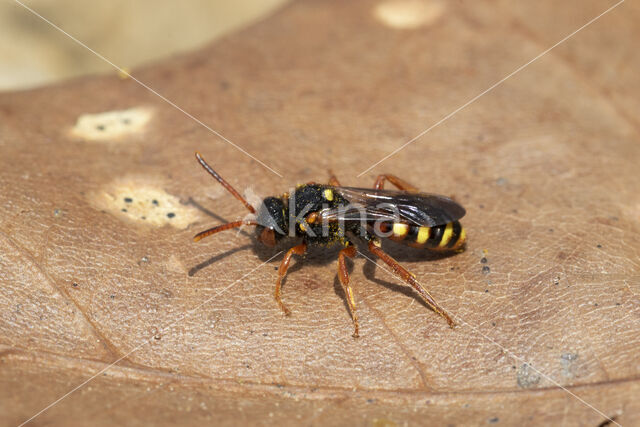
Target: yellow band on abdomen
446, 236
400, 230
461, 239
423, 235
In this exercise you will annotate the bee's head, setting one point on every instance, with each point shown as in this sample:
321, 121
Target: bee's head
272, 222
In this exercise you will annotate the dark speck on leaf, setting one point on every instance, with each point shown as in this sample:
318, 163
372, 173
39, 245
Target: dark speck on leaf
599, 245
483, 260
486, 269
123, 210
100, 127
493, 420
170, 215
128, 200
155, 202
75, 285
607, 422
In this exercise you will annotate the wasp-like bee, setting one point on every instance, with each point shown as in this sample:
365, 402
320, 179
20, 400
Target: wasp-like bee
328, 214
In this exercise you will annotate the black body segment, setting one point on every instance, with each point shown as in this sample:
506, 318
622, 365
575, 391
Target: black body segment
435, 236
457, 235
308, 199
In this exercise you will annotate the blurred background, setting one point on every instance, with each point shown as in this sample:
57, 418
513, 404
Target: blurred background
33, 53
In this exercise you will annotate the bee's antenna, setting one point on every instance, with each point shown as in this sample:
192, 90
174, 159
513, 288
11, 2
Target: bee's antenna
223, 227
225, 184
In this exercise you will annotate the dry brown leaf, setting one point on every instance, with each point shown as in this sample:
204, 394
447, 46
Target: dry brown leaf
546, 165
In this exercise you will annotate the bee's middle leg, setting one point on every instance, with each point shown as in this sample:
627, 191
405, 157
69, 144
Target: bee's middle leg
343, 275
282, 271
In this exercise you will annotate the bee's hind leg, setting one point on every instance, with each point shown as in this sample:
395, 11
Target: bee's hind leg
333, 180
410, 279
401, 184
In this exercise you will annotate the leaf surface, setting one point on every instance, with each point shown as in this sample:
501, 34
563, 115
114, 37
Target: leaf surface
97, 263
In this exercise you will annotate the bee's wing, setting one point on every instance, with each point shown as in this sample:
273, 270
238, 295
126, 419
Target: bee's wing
368, 205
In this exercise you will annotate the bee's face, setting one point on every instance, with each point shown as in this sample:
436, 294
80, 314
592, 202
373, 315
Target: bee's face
272, 217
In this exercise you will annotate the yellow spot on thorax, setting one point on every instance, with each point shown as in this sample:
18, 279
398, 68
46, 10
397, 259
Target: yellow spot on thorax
423, 235
328, 194
446, 236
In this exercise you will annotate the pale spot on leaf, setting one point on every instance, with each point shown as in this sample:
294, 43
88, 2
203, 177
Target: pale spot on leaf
409, 14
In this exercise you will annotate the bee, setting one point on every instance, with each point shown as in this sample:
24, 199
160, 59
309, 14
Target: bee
330, 214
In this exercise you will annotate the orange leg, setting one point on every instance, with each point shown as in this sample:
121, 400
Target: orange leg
411, 280
400, 183
333, 180
343, 274
282, 271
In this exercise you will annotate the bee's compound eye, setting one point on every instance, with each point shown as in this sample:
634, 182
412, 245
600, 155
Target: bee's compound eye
267, 237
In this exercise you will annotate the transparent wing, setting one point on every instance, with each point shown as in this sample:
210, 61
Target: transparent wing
368, 205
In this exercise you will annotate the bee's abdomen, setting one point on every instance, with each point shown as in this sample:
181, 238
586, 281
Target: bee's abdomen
449, 236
